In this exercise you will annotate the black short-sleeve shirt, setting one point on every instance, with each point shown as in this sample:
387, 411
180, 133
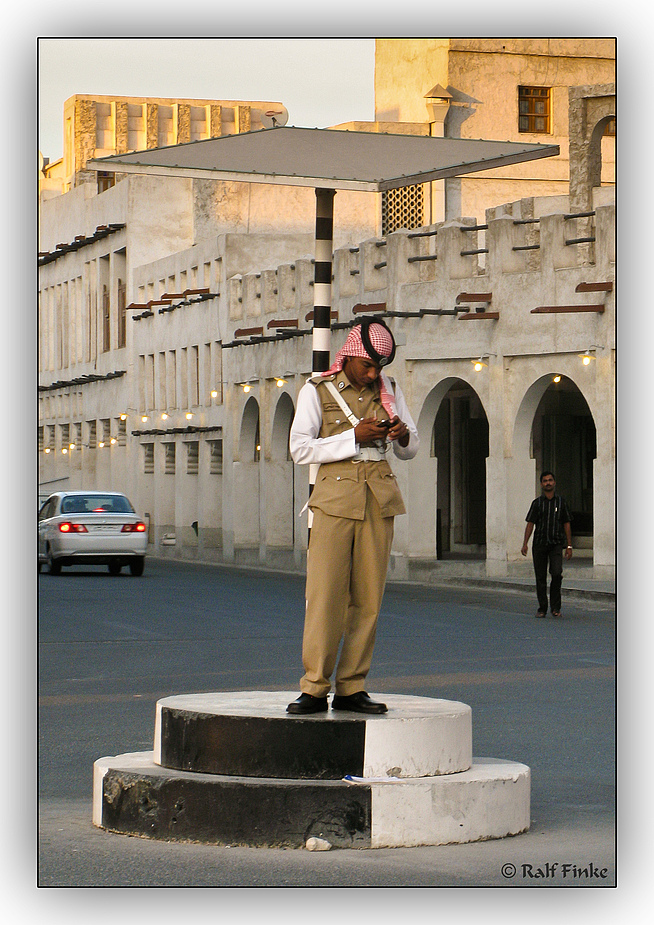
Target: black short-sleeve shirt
548, 516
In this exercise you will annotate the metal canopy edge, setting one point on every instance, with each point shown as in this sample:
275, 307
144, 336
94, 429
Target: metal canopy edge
338, 159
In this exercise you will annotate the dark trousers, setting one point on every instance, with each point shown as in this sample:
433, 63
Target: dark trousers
552, 555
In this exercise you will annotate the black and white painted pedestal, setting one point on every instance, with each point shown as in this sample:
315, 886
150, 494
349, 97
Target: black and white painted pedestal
235, 768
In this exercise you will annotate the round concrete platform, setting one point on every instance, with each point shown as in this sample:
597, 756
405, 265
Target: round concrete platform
234, 768
134, 796
249, 734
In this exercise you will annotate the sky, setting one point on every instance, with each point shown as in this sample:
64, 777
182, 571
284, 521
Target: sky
321, 82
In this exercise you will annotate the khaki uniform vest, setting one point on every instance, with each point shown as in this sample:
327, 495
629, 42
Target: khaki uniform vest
341, 487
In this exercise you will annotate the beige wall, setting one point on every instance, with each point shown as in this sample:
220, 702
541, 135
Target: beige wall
483, 76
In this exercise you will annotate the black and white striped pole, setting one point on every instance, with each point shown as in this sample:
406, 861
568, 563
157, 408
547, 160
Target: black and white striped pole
322, 295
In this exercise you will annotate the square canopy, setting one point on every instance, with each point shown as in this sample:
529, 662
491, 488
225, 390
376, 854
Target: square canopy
325, 158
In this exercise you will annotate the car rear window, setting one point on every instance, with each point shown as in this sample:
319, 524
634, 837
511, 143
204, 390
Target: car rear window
96, 504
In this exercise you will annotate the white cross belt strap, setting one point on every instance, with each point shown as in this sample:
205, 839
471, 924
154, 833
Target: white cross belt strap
365, 452
347, 411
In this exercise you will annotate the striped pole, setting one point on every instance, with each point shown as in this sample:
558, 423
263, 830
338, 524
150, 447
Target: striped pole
322, 295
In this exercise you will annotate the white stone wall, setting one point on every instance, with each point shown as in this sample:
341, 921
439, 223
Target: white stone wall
254, 326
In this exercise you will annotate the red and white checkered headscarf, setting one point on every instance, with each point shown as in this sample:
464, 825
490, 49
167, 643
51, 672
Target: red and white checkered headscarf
382, 341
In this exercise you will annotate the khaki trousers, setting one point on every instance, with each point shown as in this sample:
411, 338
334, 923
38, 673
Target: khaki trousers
347, 562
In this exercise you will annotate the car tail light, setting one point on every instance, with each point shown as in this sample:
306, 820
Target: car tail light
67, 527
134, 528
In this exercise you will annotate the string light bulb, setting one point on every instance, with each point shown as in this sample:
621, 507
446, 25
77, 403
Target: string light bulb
189, 415
557, 378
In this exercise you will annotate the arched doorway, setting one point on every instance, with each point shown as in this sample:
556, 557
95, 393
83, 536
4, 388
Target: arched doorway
564, 440
460, 444
247, 479
280, 490
592, 111
448, 482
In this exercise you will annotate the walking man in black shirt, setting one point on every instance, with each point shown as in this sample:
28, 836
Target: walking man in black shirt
550, 516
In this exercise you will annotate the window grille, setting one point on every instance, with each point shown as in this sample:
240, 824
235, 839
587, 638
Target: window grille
402, 208
106, 320
122, 313
92, 434
192, 458
216, 464
41, 443
534, 110
148, 458
169, 458
122, 431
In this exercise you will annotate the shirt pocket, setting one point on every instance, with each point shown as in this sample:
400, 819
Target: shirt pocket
339, 494
334, 419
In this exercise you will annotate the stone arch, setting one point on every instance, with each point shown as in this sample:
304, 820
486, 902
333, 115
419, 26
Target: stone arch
447, 480
280, 488
590, 110
555, 429
247, 478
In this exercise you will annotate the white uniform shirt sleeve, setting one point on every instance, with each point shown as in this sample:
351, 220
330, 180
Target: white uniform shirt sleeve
306, 446
410, 450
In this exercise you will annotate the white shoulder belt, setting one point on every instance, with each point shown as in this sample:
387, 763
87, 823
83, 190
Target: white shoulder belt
347, 411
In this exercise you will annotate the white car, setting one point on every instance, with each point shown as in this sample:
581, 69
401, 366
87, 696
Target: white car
91, 528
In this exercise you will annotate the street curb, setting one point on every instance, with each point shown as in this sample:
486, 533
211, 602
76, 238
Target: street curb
476, 581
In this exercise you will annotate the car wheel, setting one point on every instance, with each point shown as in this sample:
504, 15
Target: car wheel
114, 568
54, 566
136, 567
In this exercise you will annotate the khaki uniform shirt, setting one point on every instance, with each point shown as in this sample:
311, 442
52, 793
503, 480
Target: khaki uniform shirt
341, 486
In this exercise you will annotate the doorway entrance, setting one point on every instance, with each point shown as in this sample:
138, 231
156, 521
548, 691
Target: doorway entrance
460, 445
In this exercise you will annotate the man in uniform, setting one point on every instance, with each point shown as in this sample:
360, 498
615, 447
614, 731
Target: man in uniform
346, 421
550, 516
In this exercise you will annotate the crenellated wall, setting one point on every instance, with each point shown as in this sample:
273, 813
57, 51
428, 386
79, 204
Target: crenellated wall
528, 295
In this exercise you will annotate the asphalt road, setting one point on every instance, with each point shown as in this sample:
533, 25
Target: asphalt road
542, 692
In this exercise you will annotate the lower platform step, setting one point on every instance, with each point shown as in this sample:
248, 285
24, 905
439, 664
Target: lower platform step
134, 796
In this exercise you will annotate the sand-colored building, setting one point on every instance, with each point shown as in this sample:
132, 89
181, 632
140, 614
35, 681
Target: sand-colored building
166, 368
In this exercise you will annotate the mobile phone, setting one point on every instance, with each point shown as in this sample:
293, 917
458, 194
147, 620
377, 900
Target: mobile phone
386, 424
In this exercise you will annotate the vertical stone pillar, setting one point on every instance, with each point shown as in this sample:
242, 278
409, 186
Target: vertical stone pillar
182, 113
243, 118
152, 125
85, 138
496, 482
215, 121
121, 127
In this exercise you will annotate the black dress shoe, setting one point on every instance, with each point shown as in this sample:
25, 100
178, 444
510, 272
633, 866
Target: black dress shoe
358, 703
307, 703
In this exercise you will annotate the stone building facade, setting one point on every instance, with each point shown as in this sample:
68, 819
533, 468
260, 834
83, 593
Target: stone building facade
175, 334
